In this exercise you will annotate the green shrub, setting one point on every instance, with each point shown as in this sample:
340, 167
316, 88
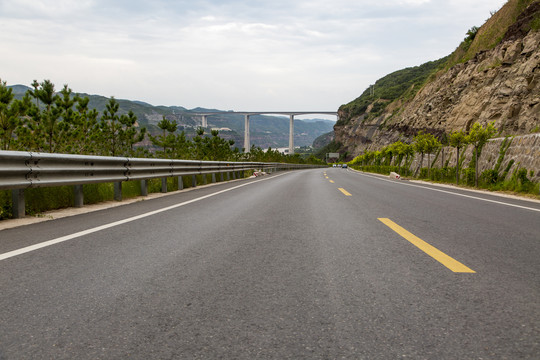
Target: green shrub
39, 200
489, 177
468, 176
95, 193
6, 209
524, 184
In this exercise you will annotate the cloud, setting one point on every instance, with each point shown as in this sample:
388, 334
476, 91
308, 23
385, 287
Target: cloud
227, 53
51, 9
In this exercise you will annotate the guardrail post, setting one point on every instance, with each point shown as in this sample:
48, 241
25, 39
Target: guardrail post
234, 175
204, 179
221, 176
194, 181
213, 178
118, 191
144, 187
163, 185
78, 196
17, 201
180, 183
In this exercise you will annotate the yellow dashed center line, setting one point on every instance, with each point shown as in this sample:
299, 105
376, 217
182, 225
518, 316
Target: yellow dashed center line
332, 181
345, 192
435, 253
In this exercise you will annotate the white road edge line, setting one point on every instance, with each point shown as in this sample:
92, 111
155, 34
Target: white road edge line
447, 192
34, 247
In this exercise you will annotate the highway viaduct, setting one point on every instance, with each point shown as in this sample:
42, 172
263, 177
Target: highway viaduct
247, 114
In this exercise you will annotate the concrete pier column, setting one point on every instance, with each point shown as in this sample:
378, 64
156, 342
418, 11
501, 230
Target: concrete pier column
247, 141
291, 135
204, 121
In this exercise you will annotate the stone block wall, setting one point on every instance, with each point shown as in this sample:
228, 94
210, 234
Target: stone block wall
523, 150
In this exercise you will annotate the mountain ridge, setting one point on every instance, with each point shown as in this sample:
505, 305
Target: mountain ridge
265, 130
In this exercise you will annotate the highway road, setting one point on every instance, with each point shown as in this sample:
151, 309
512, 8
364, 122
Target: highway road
313, 264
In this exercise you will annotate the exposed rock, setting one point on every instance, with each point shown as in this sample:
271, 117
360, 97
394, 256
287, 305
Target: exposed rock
501, 85
522, 25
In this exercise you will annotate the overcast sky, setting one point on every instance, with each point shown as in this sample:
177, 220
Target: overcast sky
228, 54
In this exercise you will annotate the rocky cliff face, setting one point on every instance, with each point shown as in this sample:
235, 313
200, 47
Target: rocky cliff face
501, 85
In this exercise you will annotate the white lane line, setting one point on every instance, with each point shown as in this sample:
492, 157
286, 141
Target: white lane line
448, 192
34, 247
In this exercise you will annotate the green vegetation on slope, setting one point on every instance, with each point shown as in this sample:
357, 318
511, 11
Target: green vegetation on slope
495, 29
402, 83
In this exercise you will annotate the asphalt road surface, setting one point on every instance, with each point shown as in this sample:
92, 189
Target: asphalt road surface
314, 264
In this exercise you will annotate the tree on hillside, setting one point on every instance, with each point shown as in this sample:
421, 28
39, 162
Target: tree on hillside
198, 148
217, 148
167, 139
129, 134
457, 139
110, 128
408, 150
47, 120
431, 144
34, 93
85, 127
11, 112
419, 146
386, 153
398, 150
471, 33
66, 132
478, 136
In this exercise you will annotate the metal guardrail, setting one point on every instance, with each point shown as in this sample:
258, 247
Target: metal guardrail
21, 170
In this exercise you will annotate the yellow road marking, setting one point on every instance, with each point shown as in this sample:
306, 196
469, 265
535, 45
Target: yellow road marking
332, 181
345, 192
435, 253
326, 177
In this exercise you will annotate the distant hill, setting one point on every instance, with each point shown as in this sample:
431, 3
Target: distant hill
265, 131
323, 140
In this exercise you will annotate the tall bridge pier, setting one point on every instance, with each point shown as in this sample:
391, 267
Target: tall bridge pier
247, 114
247, 140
